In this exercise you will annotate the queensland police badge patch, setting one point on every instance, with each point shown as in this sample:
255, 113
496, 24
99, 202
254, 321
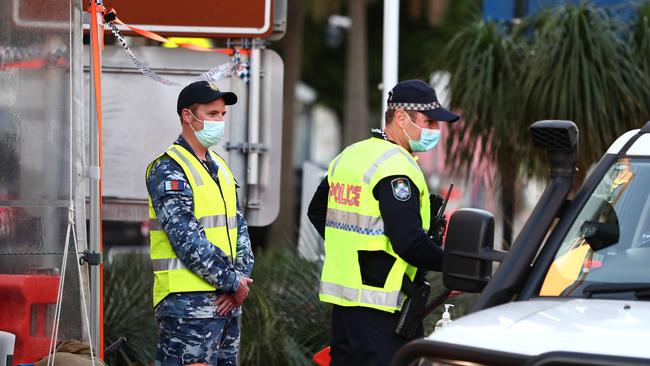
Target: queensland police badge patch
401, 189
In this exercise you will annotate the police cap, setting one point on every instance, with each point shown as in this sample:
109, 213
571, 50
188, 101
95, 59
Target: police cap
416, 95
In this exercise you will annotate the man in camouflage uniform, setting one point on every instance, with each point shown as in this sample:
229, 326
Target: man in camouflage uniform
198, 326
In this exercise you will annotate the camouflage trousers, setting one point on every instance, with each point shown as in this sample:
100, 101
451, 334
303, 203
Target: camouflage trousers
214, 341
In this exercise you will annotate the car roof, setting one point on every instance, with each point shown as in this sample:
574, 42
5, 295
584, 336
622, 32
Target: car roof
632, 143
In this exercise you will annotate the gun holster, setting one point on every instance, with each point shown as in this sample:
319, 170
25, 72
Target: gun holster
413, 308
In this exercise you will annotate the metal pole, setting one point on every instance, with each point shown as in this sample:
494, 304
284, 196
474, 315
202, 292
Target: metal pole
254, 128
78, 150
391, 51
94, 174
238, 126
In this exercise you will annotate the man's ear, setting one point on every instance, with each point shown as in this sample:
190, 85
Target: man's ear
186, 116
400, 118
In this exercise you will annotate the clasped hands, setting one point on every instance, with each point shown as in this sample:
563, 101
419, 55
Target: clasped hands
226, 302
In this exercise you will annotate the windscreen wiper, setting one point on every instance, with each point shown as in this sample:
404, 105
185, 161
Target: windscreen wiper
640, 289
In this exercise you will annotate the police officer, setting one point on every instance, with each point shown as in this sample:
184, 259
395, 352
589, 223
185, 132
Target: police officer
373, 210
200, 248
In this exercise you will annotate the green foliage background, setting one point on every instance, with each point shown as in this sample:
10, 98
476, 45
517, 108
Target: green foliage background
283, 323
420, 49
574, 61
128, 309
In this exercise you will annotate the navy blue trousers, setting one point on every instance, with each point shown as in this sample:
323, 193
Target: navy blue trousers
363, 336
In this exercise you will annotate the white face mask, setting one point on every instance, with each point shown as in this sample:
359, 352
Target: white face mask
211, 133
428, 138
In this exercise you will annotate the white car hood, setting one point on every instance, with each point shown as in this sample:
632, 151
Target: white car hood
608, 327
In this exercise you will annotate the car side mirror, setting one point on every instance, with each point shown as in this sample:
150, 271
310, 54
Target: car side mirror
604, 230
469, 253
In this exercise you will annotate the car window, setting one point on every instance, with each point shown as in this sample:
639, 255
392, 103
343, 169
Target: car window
609, 242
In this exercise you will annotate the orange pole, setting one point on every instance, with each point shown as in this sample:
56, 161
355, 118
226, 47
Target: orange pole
97, 69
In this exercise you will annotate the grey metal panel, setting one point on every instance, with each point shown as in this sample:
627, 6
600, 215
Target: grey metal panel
115, 209
139, 114
140, 121
271, 136
279, 20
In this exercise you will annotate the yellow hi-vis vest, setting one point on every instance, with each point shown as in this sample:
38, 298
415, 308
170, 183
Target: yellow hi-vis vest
354, 223
215, 207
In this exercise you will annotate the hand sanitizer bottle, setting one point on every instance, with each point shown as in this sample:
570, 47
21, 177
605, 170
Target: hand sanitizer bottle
446, 318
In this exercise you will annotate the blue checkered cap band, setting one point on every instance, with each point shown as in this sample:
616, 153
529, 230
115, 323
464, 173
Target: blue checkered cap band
415, 106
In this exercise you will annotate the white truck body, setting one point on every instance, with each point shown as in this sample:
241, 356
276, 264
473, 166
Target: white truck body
611, 327
575, 287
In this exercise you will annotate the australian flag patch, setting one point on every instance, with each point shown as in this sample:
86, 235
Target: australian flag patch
401, 189
174, 185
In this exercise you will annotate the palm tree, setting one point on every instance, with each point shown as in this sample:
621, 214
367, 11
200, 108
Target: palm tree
572, 62
580, 66
128, 309
641, 40
283, 321
483, 60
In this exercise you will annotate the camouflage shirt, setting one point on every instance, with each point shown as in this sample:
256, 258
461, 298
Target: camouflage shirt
175, 212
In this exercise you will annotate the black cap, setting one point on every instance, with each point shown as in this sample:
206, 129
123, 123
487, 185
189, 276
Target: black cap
416, 95
202, 92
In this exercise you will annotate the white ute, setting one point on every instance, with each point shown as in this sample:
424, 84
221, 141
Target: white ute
575, 288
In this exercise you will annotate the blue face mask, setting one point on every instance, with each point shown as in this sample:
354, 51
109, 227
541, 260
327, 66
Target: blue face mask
211, 133
428, 138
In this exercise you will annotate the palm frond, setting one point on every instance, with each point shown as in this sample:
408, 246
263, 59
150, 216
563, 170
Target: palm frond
284, 323
128, 309
581, 68
482, 63
641, 37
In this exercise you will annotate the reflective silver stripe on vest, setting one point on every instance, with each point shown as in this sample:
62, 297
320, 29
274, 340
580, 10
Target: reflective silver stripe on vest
221, 168
369, 297
332, 289
195, 174
367, 177
207, 222
374, 297
336, 162
218, 221
166, 264
352, 221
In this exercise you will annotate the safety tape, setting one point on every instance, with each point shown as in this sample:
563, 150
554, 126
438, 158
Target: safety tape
235, 67
144, 69
111, 16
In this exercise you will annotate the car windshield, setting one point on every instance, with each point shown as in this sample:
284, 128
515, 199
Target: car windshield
606, 252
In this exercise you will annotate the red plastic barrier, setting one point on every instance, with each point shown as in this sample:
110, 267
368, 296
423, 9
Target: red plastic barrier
322, 358
27, 304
